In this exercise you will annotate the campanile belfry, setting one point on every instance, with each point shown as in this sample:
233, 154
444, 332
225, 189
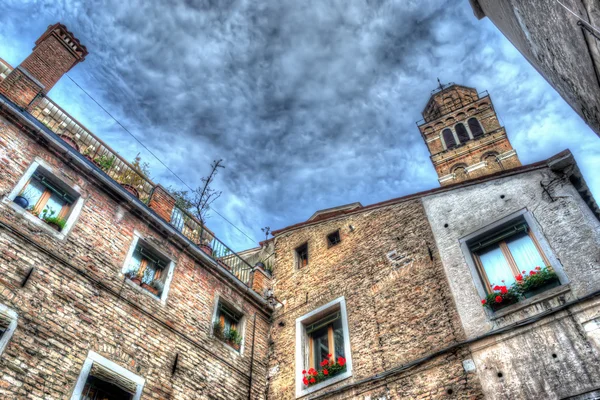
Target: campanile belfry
463, 135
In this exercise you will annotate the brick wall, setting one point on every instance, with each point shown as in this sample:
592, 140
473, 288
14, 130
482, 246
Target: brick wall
80, 302
396, 313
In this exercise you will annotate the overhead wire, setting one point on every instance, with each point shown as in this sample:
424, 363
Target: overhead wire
155, 156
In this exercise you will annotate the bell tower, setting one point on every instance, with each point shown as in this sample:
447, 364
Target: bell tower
463, 135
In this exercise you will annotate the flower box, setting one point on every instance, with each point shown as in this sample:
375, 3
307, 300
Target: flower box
151, 289
552, 283
505, 303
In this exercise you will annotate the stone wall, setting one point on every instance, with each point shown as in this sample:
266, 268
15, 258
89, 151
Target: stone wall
556, 357
548, 36
397, 311
77, 300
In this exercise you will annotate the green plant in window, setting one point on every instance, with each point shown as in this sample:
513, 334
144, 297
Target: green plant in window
105, 162
536, 279
57, 222
233, 337
219, 330
328, 368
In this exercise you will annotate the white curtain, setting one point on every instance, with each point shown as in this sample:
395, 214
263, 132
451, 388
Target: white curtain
524, 252
496, 267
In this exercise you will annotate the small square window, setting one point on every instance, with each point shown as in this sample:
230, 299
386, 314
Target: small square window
228, 325
100, 378
148, 269
511, 264
46, 198
302, 256
333, 238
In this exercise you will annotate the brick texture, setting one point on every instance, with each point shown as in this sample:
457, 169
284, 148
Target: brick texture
162, 202
396, 312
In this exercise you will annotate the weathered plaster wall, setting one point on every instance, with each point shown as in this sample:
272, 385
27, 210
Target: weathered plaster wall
63, 314
548, 36
396, 312
572, 235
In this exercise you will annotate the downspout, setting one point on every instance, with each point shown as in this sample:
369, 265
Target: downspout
252, 358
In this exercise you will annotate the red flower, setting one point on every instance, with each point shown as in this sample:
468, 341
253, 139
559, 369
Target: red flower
519, 278
312, 380
324, 363
524, 272
325, 372
483, 301
315, 373
503, 290
537, 268
305, 381
531, 272
498, 299
341, 361
311, 371
496, 287
329, 355
303, 372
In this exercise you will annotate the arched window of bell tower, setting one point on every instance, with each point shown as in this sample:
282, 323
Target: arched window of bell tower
475, 127
461, 133
448, 137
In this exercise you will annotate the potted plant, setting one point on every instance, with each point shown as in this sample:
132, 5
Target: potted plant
104, 162
233, 338
22, 199
328, 368
132, 275
58, 223
538, 280
501, 297
69, 140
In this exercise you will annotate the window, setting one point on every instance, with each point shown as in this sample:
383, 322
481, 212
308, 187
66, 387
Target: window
47, 200
148, 269
177, 219
101, 379
448, 137
302, 256
322, 344
228, 325
8, 324
461, 133
511, 263
475, 127
333, 238
460, 172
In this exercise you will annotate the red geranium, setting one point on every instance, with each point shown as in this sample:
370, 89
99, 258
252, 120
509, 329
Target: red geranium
311, 371
305, 381
303, 372
324, 363
329, 355
531, 272
519, 278
537, 268
483, 301
341, 361
524, 272
496, 287
503, 289
312, 380
325, 372
498, 299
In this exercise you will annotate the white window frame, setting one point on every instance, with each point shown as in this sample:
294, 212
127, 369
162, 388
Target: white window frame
302, 346
494, 226
96, 358
241, 324
75, 210
13, 317
171, 268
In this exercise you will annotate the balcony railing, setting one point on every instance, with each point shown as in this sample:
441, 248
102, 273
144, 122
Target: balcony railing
105, 158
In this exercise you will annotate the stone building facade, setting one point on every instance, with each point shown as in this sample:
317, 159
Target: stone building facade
561, 39
463, 135
112, 298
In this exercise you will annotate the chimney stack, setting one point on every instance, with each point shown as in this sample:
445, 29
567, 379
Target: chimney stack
54, 54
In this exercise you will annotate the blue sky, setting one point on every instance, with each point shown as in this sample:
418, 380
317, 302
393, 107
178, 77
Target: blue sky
311, 104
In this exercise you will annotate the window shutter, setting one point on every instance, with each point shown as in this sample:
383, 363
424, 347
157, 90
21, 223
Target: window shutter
331, 318
499, 236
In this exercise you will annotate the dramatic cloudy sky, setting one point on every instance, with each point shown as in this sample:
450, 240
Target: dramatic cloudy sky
311, 103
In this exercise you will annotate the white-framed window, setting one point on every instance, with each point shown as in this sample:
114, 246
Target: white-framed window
44, 199
148, 269
511, 261
229, 324
101, 378
8, 324
322, 347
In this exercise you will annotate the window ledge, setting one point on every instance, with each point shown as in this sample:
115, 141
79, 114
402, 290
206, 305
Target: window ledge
324, 384
23, 213
144, 291
554, 292
237, 353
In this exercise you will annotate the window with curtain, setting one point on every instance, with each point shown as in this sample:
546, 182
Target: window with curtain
461, 133
502, 256
147, 269
475, 127
325, 337
46, 199
448, 137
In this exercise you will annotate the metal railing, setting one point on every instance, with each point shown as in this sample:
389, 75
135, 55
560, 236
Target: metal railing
76, 135
80, 138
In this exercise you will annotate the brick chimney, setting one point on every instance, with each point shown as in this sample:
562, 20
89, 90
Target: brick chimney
54, 54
